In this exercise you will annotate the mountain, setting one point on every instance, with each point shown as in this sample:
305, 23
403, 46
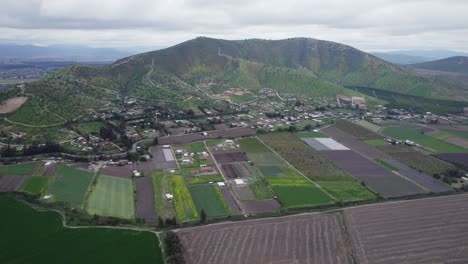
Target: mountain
404, 57
60, 52
401, 59
458, 64
173, 76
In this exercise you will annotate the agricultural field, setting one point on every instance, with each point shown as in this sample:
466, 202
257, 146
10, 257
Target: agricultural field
209, 198
291, 188
298, 239
35, 184
368, 125
11, 183
145, 208
415, 159
380, 158
88, 128
164, 208
184, 206
418, 231
458, 159
298, 192
311, 134
428, 142
317, 167
112, 196
24, 229
23, 169
375, 142
70, 184
356, 130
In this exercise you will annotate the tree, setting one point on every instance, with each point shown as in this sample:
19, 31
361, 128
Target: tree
202, 215
160, 223
292, 129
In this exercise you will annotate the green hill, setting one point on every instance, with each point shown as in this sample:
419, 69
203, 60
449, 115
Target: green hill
170, 76
458, 64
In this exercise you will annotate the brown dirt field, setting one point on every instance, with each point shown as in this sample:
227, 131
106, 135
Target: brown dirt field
157, 162
310, 239
119, 171
182, 139
230, 156
418, 231
11, 183
372, 153
229, 171
458, 159
12, 104
49, 170
458, 142
145, 199
235, 209
244, 192
376, 177
262, 206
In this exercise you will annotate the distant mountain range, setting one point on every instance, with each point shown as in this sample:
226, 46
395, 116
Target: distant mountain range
60, 52
458, 64
416, 56
303, 66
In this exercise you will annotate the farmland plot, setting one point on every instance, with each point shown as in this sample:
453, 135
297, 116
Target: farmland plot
298, 239
419, 231
457, 159
377, 178
164, 208
18, 169
112, 197
317, 167
372, 153
210, 199
70, 184
11, 183
356, 130
181, 139
162, 159
145, 199
229, 156
34, 184
184, 206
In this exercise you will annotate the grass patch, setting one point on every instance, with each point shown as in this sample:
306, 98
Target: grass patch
31, 236
311, 134
298, 192
346, 190
34, 184
375, 142
88, 128
185, 209
205, 179
428, 142
386, 165
205, 197
260, 189
17, 169
368, 125
356, 130
70, 184
112, 197
164, 208
197, 147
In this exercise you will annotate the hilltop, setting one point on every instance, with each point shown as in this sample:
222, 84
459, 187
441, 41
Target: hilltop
457, 64
174, 76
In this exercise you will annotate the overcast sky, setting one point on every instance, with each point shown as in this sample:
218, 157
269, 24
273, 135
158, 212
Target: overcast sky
365, 24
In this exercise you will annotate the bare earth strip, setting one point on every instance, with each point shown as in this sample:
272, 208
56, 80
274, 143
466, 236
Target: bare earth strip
145, 199
12, 104
420, 231
458, 141
306, 239
49, 169
235, 209
261, 206
11, 183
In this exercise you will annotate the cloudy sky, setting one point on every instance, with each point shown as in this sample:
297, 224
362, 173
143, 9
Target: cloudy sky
370, 25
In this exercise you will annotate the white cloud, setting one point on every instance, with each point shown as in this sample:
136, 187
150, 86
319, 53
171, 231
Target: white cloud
365, 24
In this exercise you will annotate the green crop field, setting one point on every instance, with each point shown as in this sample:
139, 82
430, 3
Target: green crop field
375, 142
257, 152
197, 147
311, 134
185, 209
386, 165
70, 184
205, 179
368, 125
35, 184
206, 197
30, 236
347, 189
88, 128
316, 167
164, 208
356, 130
17, 169
431, 143
298, 192
271, 170
112, 197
